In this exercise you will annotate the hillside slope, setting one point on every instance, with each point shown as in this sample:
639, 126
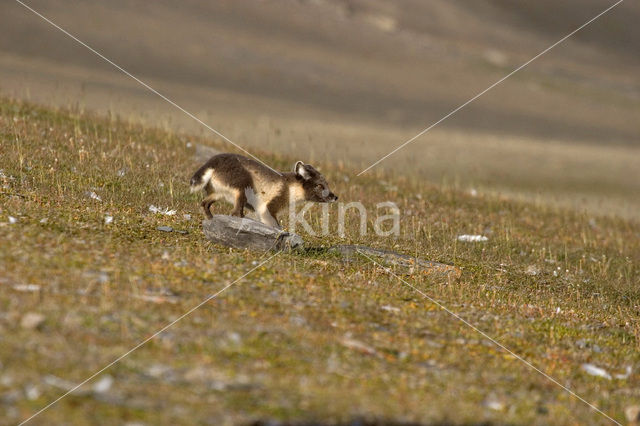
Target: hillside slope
304, 337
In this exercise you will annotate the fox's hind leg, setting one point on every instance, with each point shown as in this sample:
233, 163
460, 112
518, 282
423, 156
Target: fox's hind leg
238, 208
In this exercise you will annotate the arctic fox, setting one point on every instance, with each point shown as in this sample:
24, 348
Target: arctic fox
247, 183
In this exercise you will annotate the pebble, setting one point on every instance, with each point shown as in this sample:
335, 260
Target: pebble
32, 392
472, 238
596, 371
32, 320
158, 370
165, 211
26, 287
103, 385
234, 337
582, 343
93, 196
532, 270
6, 380
358, 346
493, 403
165, 228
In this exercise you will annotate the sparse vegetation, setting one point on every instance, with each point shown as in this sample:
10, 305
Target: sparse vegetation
304, 337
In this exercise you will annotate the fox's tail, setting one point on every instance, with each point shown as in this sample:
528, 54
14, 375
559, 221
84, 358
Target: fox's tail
201, 178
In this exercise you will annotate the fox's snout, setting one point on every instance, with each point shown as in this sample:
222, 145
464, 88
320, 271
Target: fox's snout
194, 184
326, 196
201, 178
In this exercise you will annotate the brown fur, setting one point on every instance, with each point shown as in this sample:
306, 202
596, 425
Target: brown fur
247, 183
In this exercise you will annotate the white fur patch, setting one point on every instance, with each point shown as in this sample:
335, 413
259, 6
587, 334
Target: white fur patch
296, 192
224, 191
252, 198
203, 182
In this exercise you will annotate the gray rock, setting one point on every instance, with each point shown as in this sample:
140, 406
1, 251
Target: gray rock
247, 233
415, 264
203, 153
165, 228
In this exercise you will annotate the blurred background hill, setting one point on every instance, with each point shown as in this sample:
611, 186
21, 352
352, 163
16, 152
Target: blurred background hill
345, 82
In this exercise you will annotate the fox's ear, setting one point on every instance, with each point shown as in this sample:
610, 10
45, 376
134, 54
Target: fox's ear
301, 170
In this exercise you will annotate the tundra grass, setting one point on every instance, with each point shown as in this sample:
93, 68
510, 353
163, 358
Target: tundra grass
85, 275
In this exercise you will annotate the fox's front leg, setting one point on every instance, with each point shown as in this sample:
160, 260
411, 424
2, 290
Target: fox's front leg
268, 216
208, 202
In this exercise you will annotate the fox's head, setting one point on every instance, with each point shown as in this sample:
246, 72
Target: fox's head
315, 186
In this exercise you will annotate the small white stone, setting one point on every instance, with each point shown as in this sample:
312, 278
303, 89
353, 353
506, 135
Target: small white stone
596, 371
26, 287
6, 380
31, 320
165, 211
12, 220
496, 57
94, 196
493, 403
472, 238
532, 270
103, 385
108, 219
32, 392
158, 370
624, 376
